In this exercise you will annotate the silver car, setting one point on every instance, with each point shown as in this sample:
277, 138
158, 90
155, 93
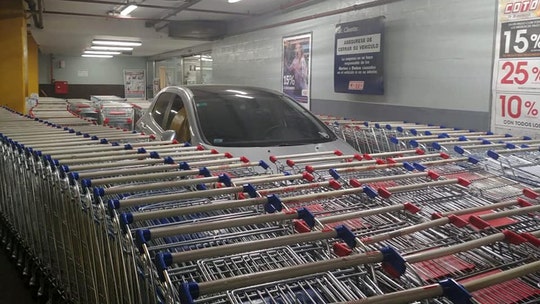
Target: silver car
244, 121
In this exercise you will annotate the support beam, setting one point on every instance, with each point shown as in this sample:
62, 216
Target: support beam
14, 54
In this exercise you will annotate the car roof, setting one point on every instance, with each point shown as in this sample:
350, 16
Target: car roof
227, 89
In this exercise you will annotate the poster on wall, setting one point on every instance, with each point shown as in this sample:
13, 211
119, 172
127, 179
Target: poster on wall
358, 57
516, 70
134, 84
296, 69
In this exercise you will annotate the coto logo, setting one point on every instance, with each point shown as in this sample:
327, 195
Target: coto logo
521, 6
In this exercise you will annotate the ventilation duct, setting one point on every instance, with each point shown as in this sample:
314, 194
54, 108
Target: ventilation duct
197, 30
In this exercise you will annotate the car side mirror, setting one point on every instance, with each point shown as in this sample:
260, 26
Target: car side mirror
168, 135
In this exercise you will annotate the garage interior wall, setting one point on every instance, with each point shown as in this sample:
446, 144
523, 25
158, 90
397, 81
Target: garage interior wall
437, 60
86, 76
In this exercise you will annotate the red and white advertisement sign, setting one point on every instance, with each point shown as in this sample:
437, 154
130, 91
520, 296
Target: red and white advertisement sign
516, 75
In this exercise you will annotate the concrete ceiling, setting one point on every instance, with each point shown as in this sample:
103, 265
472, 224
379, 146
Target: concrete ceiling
68, 26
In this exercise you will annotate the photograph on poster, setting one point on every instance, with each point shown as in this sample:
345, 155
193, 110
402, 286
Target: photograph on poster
296, 68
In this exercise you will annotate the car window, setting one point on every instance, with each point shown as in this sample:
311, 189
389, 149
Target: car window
176, 106
256, 118
177, 120
160, 109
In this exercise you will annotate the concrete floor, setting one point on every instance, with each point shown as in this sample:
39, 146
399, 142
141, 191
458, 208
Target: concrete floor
12, 284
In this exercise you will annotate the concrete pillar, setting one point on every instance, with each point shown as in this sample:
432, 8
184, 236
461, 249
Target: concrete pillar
13, 54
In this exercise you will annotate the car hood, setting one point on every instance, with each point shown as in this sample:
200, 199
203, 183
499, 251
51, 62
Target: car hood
256, 154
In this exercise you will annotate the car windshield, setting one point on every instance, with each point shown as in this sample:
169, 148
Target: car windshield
240, 117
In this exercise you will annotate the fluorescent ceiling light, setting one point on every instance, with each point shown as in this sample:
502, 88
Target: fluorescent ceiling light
130, 8
234, 1
116, 42
111, 48
103, 52
96, 56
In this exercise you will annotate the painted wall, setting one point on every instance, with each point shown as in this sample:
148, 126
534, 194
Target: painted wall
80, 70
437, 56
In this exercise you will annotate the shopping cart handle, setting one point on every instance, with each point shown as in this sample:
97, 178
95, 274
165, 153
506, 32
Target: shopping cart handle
393, 263
383, 192
103, 141
433, 175
436, 146
112, 205
455, 292
388, 127
408, 166
459, 150
290, 163
394, 140
225, 179
473, 160
530, 193
412, 208
493, 154
308, 176
273, 204
510, 146
415, 132
142, 236
163, 260
531, 239
457, 221
443, 135
514, 238
419, 167
341, 249
249, 189
125, 220
204, 172
306, 215
184, 166
334, 174
264, 165
400, 129
344, 233
372, 193
168, 160
201, 187
414, 143
523, 203
478, 222
486, 142
463, 182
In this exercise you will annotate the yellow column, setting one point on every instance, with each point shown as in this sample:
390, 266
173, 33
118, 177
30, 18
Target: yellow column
13, 54
33, 75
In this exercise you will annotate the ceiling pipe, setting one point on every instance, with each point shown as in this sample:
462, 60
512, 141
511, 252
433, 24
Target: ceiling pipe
164, 7
101, 16
355, 7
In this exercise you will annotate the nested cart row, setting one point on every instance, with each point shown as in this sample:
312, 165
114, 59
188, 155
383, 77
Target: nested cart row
116, 217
